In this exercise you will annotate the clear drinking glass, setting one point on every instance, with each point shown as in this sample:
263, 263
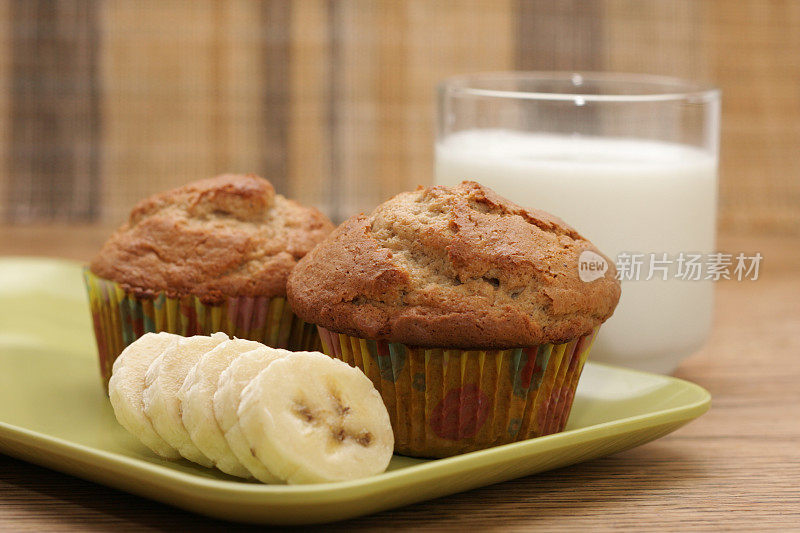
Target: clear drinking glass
628, 160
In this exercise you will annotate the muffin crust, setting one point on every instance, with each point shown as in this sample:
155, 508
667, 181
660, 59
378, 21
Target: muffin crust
226, 236
456, 267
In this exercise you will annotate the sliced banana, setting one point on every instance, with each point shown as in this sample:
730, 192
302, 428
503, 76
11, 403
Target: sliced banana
163, 381
311, 419
197, 401
127, 384
226, 404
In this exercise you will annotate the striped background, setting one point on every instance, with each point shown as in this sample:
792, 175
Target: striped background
104, 102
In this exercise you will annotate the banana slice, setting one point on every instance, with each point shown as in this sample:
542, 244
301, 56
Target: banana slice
163, 380
226, 404
310, 419
197, 400
127, 384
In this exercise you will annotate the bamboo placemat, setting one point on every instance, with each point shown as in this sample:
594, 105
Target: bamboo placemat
102, 103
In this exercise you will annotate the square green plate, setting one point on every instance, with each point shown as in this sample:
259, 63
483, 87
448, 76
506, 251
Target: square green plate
53, 412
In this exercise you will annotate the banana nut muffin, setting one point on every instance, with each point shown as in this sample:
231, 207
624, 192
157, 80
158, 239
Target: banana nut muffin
231, 235
213, 255
457, 267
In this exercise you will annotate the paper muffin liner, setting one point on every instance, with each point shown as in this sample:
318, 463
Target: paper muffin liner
444, 402
120, 317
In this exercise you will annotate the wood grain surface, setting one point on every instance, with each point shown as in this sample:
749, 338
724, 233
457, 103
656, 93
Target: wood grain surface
737, 467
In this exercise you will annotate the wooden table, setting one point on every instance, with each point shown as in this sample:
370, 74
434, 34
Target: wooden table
738, 467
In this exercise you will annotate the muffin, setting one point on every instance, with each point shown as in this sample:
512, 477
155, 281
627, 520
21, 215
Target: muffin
213, 255
466, 310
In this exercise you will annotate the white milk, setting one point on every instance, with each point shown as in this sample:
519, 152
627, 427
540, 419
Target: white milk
625, 196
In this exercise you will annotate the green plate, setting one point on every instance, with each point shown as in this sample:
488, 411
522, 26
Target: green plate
53, 413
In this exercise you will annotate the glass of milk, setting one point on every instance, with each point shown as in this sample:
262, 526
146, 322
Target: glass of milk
628, 160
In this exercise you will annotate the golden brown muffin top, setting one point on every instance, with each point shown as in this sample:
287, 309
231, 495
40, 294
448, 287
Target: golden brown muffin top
225, 236
455, 267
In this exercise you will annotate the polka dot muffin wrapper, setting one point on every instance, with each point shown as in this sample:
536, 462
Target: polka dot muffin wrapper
445, 402
119, 318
